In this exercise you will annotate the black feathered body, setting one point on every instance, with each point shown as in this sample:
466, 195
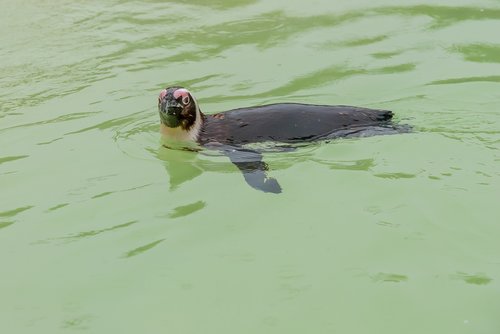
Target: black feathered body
287, 122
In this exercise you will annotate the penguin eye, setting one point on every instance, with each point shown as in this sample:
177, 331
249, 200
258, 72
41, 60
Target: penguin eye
185, 99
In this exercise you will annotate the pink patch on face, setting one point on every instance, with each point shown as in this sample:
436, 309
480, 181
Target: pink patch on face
181, 92
162, 94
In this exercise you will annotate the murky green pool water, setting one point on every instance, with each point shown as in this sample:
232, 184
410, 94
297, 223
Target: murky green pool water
103, 231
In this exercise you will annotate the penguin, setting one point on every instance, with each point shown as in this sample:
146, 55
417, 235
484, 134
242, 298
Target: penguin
181, 120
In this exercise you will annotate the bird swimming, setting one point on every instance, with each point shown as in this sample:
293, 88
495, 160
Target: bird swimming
182, 120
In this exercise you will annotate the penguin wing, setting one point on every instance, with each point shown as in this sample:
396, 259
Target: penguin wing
254, 170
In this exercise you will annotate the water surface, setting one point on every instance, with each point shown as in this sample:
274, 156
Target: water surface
103, 230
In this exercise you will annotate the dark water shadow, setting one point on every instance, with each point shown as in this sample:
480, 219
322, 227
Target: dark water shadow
57, 207
107, 193
216, 4
12, 213
185, 210
12, 158
388, 277
474, 279
5, 224
93, 233
79, 323
181, 166
362, 41
354, 165
479, 53
386, 55
490, 78
142, 249
395, 175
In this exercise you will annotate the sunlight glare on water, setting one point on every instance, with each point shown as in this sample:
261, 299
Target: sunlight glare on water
102, 230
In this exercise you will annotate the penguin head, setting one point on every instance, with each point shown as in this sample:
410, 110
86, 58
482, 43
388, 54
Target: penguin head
177, 108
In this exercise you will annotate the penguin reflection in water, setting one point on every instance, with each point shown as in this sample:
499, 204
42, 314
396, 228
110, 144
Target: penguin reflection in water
291, 123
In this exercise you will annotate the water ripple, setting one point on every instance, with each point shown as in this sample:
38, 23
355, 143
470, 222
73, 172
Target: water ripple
142, 249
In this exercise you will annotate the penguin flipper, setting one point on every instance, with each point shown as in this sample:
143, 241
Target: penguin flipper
254, 170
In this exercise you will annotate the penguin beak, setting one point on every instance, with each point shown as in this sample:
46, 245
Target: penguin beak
170, 107
173, 108
170, 112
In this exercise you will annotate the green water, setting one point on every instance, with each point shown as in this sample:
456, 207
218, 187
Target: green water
103, 231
